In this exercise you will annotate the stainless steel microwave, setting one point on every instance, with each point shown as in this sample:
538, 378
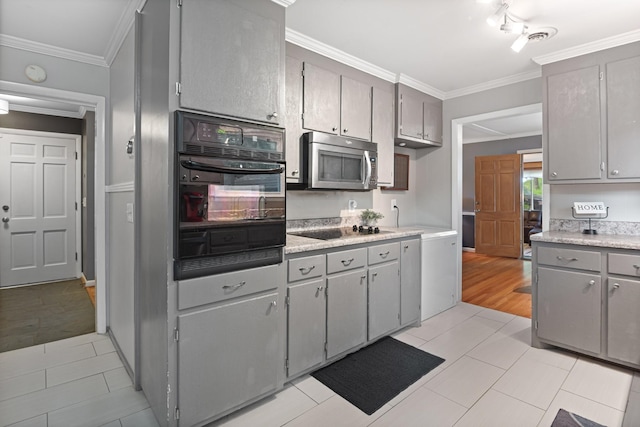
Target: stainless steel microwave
337, 163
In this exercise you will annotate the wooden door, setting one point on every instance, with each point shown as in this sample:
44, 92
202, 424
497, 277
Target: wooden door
38, 195
498, 205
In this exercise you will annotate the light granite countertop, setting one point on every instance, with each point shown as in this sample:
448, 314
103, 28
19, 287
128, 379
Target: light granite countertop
619, 241
297, 244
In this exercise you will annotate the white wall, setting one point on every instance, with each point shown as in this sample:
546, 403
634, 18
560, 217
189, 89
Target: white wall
61, 73
405, 200
120, 175
622, 199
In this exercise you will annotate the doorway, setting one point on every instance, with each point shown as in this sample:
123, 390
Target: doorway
532, 187
97, 104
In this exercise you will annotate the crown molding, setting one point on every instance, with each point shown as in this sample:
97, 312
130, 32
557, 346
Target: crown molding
314, 45
285, 3
124, 25
609, 42
516, 78
45, 49
418, 85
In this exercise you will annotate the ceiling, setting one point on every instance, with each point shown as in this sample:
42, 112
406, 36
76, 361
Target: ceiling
441, 47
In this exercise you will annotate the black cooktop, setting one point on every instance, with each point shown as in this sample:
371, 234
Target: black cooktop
339, 233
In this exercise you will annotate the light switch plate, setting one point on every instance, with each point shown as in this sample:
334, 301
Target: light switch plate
130, 212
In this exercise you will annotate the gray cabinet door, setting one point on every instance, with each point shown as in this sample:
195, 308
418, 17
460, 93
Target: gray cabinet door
306, 326
355, 110
293, 119
321, 99
573, 119
433, 120
227, 355
232, 58
346, 311
382, 133
568, 309
411, 116
410, 294
384, 299
623, 325
623, 118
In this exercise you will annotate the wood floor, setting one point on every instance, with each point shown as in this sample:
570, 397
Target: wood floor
492, 282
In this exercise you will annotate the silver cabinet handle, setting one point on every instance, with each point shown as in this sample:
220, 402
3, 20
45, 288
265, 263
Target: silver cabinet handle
561, 258
306, 270
362, 278
374, 275
615, 172
273, 115
616, 286
384, 255
345, 130
592, 282
294, 173
406, 247
347, 262
195, 177
636, 266
554, 174
334, 128
236, 286
274, 304
5, 219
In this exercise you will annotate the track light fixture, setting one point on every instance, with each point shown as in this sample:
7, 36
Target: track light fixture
495, 19
520, 42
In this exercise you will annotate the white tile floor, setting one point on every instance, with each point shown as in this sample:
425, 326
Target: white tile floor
491, 377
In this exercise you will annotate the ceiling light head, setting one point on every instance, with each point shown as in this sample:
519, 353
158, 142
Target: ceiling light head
512, 27
520, 42
4, 106
495, 19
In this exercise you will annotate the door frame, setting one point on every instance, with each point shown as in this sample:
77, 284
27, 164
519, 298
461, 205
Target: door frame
78, 186
98, 104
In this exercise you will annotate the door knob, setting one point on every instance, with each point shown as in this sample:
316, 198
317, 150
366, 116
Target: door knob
5, 208
5, 219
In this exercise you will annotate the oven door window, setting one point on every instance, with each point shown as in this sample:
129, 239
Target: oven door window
231, 190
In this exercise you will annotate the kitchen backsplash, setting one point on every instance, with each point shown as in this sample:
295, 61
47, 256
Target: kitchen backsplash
346, 219
601, 226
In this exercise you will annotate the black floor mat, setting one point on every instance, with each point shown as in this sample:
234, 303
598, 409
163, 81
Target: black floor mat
372, 376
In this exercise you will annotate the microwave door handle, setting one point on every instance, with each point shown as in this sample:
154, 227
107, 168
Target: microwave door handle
367, 177
190, 164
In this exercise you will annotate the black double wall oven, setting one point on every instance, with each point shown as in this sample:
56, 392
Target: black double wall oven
229, 195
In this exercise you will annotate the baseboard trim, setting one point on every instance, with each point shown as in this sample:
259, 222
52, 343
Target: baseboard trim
468, 249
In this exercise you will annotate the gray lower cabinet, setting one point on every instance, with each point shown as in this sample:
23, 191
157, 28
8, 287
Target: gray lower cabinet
586, 299
384, 299
623, 320
248, 82
306, 326
346, 311
569, 308
227, 355
410, 286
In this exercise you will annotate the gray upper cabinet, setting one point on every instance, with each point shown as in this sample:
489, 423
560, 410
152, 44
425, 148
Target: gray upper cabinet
355, 110
233, 66
623, 116
573, 117
410, 292
591, 117
321, 99
292, 119
382, 133
418, 118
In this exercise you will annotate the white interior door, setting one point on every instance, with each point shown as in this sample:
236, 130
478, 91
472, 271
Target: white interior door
38, 195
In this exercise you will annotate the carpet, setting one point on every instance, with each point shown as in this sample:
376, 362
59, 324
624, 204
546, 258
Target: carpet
373, 375
567, 419
37, 314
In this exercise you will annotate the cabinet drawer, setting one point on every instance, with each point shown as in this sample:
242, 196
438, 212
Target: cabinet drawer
346, 260
210, 289
306, 268
384, 253
572, 258
629, 265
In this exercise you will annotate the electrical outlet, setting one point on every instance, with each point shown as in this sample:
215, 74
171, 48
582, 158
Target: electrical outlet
393, 204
